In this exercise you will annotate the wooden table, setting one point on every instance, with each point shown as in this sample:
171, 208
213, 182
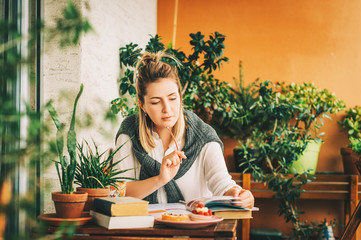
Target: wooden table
224, 230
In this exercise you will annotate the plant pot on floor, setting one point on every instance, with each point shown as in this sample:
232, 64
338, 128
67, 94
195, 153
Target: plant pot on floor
308, 160
69, 205
351, 161
92, 194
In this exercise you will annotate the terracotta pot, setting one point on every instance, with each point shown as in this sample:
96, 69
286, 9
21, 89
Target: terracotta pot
69, 205
351, 161
92, 194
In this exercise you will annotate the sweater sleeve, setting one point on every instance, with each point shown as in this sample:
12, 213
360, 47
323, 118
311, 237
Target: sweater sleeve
126, 153
215, 169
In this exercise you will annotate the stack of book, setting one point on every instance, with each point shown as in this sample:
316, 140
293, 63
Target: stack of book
121, 212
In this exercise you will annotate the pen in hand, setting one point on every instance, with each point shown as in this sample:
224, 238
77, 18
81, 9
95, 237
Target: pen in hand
175, 141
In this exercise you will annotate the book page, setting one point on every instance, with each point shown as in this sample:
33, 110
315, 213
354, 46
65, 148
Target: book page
228, 199
157, 209
165, 206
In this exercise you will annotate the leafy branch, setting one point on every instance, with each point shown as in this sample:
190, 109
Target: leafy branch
207, 96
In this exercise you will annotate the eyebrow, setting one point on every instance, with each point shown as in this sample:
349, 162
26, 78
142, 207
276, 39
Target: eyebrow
173, 93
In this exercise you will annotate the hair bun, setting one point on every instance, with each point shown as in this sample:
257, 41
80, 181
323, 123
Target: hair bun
149, 57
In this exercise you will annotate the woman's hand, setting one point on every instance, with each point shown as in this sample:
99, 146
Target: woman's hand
245, 196
170, 166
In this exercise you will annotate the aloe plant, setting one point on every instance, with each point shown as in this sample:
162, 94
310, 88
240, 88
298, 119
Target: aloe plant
97, 170
66, 166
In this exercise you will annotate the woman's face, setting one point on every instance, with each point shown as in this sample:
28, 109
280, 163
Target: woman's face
162, 102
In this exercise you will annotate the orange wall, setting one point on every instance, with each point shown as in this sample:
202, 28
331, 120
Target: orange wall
280, 40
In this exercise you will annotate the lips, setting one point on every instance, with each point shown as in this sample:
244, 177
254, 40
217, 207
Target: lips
167, 118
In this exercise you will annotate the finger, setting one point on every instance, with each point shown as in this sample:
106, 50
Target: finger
172, 161
242, 196
175, 161
168, 162
236, 192
243, 193
247, 198
179, 160
183, 155
249, 204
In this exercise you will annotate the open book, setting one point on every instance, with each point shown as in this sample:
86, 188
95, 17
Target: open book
224, 206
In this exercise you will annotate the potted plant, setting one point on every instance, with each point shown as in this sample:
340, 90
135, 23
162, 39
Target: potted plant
68, 204
351, 155
313, 104
265, 107
269, 153
253, 114
96, 172
273, 143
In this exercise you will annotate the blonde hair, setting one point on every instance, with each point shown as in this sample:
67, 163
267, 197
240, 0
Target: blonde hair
149, 69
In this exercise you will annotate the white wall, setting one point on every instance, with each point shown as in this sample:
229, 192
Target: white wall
116, 23
94, 62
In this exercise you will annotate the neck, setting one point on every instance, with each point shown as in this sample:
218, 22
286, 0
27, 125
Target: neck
165, 136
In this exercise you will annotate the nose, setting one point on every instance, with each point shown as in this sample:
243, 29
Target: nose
166, 106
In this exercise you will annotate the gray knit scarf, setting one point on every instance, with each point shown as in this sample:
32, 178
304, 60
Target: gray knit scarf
197, 135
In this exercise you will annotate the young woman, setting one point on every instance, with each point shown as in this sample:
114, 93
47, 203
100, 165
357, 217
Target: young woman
166, 173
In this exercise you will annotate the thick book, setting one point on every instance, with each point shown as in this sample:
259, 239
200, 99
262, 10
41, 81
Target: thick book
121, 206
108, 222
239, 214
223, 206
